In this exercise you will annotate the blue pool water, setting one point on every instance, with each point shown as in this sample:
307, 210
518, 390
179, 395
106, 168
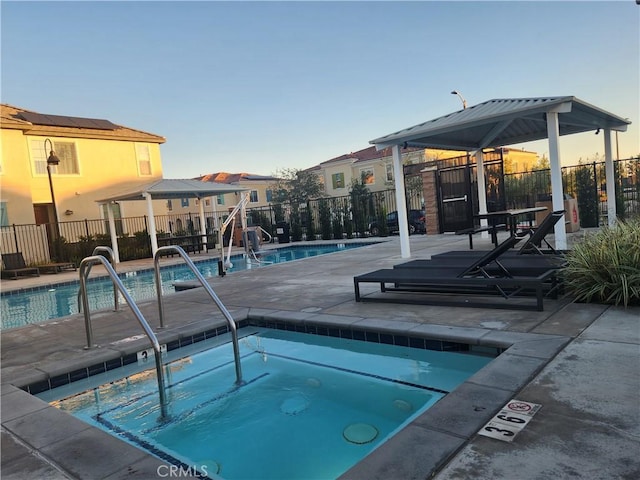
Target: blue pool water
55, 301
310, 408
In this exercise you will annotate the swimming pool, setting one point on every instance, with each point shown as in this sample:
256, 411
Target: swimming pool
24, 307
310, 407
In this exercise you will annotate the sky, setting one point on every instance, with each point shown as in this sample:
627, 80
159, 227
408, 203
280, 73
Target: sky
260, 87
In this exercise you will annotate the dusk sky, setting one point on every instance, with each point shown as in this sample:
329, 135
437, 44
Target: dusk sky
262, 86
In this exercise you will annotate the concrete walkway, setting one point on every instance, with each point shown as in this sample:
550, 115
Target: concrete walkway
581, 362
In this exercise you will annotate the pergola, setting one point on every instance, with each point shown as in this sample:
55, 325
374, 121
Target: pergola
503, 122
165, 190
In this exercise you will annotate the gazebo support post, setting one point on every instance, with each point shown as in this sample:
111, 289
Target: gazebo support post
203, 225
112, 233
611, 179
557, 193
401, 201
152, 223
482, 191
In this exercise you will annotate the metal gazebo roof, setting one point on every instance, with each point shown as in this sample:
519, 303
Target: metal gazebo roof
172, 188
502, 122
164, 190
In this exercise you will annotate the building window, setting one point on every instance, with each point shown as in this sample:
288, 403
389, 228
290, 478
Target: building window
269, 195
389, 169
169, 205
207, 202
184, 202
65, 151
337, 180
221, 199
367, 176
143, 156
4, 217
253, 196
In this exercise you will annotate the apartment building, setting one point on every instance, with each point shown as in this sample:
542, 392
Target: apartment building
93, 159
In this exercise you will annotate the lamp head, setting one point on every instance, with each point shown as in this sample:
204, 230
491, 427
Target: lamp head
455, 92
53, 160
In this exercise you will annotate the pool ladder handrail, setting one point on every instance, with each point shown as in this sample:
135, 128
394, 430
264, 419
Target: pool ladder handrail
231, 322
85, 267
112, 260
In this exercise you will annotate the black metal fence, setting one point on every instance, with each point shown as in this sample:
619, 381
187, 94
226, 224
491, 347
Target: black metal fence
326, 218
586, 183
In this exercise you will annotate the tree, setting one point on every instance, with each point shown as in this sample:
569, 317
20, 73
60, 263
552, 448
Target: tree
542, 163
297, 186
360, 197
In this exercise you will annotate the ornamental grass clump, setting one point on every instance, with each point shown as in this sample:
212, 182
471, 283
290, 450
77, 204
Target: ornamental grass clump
605, 266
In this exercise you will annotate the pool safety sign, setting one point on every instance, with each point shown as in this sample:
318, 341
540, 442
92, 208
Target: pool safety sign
510, 420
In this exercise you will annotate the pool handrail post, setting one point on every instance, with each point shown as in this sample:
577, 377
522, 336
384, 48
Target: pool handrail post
231, 322
86, 264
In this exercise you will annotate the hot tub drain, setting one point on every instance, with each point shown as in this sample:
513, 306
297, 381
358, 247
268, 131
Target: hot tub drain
360, 433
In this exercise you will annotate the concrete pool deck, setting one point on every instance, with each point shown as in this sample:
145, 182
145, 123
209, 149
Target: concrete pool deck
581, 362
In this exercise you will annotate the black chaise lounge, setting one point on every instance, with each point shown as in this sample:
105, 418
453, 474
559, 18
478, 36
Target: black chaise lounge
57, 267
13, 265
535, 238
481, 277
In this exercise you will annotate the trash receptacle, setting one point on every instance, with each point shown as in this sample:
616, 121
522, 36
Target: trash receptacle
282, 231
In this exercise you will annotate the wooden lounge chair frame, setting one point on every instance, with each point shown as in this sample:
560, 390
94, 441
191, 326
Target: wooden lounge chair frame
13, 265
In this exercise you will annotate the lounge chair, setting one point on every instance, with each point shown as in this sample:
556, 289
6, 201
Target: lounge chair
13, 265
57, 267
470, 279
536, 236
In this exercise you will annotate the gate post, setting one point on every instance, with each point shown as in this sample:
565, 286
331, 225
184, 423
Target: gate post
430, 194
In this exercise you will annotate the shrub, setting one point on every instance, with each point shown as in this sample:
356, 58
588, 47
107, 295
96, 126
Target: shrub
605, 266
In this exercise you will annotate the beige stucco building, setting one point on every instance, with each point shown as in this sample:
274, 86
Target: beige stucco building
97, 159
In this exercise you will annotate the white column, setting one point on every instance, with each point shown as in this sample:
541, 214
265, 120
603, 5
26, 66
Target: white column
203, 226
152, 224
557, 194
482, 191
401, 202
113, 234
611, 180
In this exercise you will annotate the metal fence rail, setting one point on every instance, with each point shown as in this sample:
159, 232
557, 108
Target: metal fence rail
586, 183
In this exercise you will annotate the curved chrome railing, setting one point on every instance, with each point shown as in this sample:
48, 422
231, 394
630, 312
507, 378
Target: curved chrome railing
85, 267
208, 289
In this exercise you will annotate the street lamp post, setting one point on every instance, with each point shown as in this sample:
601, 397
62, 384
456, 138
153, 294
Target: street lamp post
52, 160
464, 102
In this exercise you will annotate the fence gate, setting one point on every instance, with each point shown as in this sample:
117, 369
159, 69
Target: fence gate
455, 198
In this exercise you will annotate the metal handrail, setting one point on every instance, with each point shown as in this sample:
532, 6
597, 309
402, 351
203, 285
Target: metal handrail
232, 324
112, 260
86, 264
268, 234
225, 262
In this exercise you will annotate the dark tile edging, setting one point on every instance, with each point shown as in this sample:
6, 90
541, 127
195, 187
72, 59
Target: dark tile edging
366, 333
